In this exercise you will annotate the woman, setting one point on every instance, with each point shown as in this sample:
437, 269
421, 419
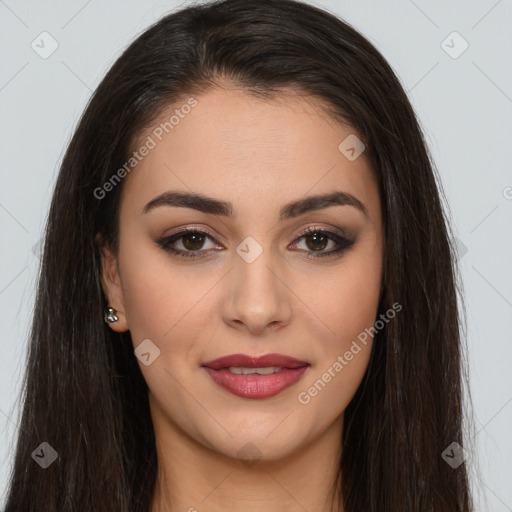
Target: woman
247, 297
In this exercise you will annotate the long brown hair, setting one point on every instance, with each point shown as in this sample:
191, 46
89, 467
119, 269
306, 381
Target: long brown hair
83, 391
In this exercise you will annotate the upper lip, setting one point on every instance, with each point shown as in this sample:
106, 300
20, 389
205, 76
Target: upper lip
246, 361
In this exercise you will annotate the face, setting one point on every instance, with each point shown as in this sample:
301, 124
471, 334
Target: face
249, 279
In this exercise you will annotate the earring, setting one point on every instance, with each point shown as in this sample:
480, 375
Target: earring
110, 315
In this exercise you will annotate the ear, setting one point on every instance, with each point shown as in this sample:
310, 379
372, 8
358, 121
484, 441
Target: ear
112, 288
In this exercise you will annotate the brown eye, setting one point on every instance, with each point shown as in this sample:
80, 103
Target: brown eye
193, 241
316, 241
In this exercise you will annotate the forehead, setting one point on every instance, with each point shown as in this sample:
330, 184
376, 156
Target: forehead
250, 151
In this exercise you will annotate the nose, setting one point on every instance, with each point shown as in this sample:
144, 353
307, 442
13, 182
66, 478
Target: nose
257, 297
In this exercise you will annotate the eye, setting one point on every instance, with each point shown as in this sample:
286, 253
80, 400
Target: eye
315, 239
192, 240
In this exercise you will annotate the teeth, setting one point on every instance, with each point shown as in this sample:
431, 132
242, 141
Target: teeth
268, 370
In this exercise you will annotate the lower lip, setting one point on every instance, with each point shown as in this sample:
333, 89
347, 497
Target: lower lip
254, 385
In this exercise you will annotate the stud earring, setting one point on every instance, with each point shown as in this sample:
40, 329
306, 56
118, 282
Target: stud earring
110, 315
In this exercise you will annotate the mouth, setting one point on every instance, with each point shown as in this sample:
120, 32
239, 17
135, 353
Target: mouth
255, 377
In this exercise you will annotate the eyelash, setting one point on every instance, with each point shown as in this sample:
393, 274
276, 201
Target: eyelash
344, 243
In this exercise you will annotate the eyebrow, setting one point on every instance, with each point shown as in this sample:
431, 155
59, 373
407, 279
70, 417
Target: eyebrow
293, 209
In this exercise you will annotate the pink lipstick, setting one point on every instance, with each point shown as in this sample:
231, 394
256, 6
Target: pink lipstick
255, 377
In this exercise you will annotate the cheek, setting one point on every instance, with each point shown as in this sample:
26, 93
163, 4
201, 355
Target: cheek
167, 305
345, 299
343, 354
356, 302
159, 294
347, 305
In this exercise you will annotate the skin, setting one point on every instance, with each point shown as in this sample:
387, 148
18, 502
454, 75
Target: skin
259, 155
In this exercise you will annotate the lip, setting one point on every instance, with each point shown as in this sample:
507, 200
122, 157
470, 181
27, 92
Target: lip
256, 386
247, 361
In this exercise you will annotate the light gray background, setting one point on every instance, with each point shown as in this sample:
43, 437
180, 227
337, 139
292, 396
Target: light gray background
465, 107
